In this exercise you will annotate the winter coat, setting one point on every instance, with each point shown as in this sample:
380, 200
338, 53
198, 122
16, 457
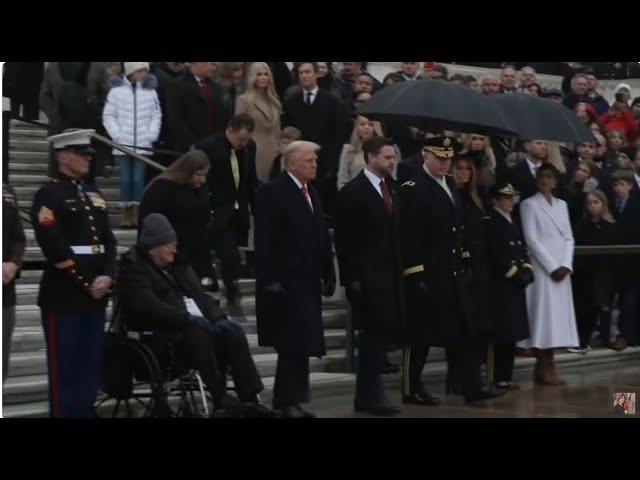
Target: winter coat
132, 114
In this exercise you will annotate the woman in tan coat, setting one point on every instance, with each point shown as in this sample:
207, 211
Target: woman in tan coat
261, 102
352, 159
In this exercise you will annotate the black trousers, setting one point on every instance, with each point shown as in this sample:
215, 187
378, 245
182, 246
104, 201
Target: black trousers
463, 364
225, 244
503, 355
291, 386
372, 357
213, 354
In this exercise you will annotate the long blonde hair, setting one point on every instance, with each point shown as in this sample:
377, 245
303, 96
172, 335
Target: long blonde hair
181, 171
606, 213
270, 96
488, 151
355, 142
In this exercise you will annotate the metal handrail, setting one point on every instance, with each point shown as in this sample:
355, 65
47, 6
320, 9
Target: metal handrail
128, 152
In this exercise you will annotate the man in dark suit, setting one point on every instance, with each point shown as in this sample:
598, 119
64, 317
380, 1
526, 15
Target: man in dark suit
523, 175
232, 184
436, 277
195, 106
294, 269
367, 244
318, 115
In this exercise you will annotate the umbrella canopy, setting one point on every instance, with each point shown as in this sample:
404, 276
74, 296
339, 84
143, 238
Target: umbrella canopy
436, 105
538, 118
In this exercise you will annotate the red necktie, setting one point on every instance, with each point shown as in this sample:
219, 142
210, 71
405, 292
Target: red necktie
386, 196
306, 196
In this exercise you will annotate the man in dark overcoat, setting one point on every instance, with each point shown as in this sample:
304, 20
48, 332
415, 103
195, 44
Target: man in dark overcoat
436, 277
294, 269
368, 249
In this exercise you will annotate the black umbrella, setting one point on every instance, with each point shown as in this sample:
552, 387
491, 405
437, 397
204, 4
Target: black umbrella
436, 105
538, 118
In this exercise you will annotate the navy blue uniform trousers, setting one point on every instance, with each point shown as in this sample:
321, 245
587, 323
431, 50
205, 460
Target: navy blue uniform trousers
75, 354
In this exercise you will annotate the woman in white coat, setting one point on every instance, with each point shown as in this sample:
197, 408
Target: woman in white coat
547, 232
132, 117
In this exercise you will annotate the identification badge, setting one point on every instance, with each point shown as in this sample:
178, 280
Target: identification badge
192, 307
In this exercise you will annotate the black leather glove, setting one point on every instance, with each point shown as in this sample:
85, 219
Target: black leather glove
328, 288
523, 277
275, 288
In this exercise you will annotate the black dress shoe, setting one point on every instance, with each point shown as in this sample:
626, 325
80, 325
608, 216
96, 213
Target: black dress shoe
421, 399
380, 409
296, 411
482, 395
507, 386
390, 369
257, 410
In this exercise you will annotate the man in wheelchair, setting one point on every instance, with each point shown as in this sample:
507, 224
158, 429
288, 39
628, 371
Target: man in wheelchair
160, 292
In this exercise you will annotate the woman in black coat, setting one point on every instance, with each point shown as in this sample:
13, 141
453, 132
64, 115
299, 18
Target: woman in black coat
573, 193
509, 274
475, 221
181, 194
593, 277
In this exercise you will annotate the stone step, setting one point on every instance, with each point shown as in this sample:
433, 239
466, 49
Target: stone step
34, 254
29, 316
21, 132
28, 156
28, 144
29, 364
28, 295
41, 168
322, 384
125, 238
31, 339
110, 194
32, 180
26, 396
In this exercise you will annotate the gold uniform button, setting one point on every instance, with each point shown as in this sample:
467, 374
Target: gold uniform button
455, 274
453, 251
87, 208
93, 228
453, 229
90, 217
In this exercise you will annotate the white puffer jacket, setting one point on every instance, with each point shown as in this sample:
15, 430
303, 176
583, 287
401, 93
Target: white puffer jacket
132, 115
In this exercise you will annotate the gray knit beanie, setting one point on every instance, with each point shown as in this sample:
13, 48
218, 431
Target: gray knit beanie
156, 231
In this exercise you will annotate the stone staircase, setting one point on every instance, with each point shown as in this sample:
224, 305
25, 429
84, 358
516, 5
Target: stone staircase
25, 392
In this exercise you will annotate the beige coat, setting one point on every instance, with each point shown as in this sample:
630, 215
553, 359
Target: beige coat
266, 134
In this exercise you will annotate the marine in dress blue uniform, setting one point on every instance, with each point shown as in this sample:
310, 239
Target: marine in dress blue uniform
71, 226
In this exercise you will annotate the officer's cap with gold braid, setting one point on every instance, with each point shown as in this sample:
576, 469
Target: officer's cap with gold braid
76, 140
503, 189
442, 147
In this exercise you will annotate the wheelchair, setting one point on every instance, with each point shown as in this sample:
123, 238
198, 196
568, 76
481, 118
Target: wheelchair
146, 377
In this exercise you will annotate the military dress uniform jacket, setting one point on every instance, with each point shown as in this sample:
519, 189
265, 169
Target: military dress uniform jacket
13, 240
431, 232
71, 225
508, 258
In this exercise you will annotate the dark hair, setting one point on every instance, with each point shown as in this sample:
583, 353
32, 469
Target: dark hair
458, 77
622, 176
373, 146
537, 85
395, 76
242, 121
313, 64
547, 167
184, 167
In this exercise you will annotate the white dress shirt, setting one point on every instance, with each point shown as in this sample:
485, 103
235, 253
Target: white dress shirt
300, 185
533, 168
314, 94
441, 181
374, 179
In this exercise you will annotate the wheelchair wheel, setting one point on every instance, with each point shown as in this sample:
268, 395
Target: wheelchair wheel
133, 385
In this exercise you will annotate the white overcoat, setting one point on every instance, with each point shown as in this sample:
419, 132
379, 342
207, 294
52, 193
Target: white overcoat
547, 232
